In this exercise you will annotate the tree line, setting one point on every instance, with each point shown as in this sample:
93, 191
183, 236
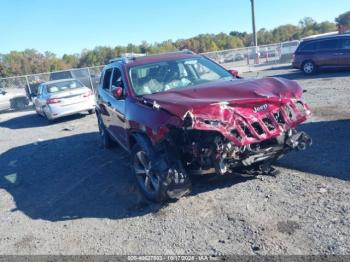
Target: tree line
30, 61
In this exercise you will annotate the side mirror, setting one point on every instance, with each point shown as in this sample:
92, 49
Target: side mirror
234, 73
117, 92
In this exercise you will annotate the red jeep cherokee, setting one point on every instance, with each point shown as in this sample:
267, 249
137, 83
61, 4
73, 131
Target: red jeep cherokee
181, 113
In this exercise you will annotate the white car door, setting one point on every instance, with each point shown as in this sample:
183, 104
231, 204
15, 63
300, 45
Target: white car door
39, 100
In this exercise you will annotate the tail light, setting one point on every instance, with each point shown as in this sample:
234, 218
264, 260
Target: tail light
53, 101
88, 93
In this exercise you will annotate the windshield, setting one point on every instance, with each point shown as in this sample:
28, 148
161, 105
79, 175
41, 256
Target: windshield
167, 75
63, 86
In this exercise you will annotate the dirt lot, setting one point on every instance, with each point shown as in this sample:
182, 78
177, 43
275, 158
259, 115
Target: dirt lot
62, 194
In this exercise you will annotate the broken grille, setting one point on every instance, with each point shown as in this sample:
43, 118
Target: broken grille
269, 124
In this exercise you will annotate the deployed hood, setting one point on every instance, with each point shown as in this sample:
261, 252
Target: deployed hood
237, 91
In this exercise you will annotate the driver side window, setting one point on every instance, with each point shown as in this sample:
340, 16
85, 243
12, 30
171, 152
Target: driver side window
117, 80
107, 79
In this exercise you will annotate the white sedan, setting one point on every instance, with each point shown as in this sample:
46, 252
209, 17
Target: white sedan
62, 98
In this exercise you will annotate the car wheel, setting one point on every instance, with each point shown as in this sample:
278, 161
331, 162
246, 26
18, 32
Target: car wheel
105, 139
37, 112
48, 120
91, 111
309, 67
158, 179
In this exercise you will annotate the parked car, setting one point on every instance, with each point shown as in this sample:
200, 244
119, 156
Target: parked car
63, 97
234, 57
331, 51
13, 98
181, 113
289, 47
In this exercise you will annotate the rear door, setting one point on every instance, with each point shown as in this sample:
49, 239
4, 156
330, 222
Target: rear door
103, 98
344, 54
327, 53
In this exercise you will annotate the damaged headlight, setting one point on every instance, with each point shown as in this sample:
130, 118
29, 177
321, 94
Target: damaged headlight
213, 122
188, 122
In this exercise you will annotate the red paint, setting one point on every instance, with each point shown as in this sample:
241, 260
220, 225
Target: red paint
232, 104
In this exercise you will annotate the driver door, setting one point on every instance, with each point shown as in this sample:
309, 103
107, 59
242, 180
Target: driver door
116, 108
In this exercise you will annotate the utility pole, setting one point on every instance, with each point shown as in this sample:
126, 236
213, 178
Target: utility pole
255, 40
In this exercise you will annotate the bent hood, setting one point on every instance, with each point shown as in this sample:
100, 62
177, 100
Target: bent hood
237, 91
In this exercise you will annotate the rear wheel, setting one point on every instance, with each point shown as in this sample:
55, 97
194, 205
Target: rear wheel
309, 67
91, 111
50, 121
157, 178
105, 139
37, 112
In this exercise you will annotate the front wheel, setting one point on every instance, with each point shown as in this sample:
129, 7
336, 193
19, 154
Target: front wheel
157, 178
309, 68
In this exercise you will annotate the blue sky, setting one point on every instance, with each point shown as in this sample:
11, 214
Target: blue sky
68, 26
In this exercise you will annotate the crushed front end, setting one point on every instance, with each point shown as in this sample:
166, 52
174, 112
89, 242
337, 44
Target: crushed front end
246, 134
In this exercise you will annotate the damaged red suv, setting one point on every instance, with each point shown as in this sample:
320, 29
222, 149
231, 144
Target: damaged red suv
181, 113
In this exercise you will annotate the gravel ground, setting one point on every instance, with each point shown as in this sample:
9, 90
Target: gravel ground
60, 193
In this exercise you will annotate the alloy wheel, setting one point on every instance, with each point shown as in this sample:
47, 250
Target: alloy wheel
308, 67
146, 177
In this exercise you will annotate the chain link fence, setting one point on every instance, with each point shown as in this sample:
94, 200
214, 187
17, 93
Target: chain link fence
16, 93
246, 59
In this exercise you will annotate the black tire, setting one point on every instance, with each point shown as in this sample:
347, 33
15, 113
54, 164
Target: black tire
91, 111
105, 139
158, 178
309, 67
36, 111
50, 121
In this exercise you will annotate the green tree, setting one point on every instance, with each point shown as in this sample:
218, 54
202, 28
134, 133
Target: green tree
343, 22
343, 19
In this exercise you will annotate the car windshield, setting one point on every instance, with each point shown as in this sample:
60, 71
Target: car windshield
63, 86
173, 74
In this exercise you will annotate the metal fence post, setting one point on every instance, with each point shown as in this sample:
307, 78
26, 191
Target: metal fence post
29, 88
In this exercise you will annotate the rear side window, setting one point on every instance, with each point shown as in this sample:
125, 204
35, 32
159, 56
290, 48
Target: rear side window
63, 86
328, 44
346, 43
308, 47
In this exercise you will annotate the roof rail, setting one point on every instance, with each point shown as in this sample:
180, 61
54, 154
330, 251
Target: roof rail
117, 59
325, 35
125, 58
183, 51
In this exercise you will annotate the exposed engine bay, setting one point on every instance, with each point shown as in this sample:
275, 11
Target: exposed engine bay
205, 151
